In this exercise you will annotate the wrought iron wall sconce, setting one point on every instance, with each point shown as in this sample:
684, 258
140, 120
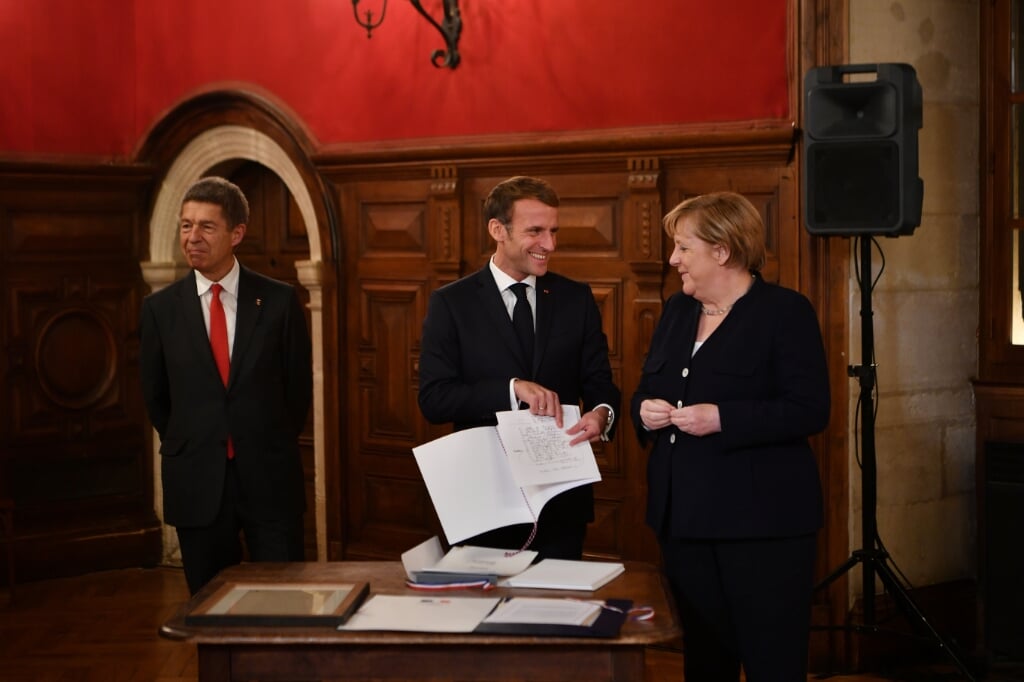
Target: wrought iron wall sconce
450, 27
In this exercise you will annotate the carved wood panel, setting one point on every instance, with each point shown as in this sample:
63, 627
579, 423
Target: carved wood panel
73, 448
391, 228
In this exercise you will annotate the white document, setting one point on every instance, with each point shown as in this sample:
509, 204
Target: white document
469, 559
472, 484
427, 557
404, 613
545, 611
539, 452
563, 574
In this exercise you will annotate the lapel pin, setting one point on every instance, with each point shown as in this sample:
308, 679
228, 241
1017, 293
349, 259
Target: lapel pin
259, 302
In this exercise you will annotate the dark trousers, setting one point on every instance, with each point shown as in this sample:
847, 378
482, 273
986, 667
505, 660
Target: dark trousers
743, 603
207, 550
561, 528
552, 541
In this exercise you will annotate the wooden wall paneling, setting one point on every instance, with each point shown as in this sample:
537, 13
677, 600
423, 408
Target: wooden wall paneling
642, 253
590, 247
73, 445
443, 233
769, 189
389, 228
444, 247
821, 37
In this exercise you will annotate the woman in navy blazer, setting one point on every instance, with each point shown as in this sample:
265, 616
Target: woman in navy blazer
733, 385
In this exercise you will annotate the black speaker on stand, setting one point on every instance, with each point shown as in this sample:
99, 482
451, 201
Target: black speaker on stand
860, 180
860, 151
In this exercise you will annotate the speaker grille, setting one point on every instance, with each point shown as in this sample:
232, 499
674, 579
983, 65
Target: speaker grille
856, 185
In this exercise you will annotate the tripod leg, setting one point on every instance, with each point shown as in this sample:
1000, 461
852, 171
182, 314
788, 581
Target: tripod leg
914, 614
836, 574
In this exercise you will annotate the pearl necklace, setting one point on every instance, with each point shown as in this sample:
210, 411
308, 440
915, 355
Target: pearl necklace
718, 311
714, 312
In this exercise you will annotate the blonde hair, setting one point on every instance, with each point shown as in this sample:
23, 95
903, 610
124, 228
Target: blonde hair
724, 219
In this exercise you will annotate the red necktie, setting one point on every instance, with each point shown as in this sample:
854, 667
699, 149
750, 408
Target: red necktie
219, 343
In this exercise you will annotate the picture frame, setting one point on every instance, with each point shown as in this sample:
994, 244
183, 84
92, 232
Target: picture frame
279, 603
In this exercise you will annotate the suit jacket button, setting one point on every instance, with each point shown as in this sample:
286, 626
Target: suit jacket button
686, 372
672, 438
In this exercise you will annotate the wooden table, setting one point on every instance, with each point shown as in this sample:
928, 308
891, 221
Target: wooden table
307, 653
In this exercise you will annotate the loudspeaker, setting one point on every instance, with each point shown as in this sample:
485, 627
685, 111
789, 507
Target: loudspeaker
860, 151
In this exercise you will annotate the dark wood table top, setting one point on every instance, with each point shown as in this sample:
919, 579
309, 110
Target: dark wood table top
641, 582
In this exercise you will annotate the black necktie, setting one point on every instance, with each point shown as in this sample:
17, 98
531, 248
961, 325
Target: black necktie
522, 320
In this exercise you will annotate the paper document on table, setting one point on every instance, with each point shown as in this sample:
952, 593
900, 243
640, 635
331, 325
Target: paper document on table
425, 563
404, 613
473, 487
564, 574
547, 611
539, 452
470, 559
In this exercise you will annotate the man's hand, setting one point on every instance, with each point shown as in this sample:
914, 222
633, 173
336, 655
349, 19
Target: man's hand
542, 401
590, 426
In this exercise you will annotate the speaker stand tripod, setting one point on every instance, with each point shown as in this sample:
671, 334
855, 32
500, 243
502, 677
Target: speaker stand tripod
872, 558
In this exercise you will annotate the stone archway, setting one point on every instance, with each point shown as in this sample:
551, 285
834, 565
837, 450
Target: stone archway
165, 265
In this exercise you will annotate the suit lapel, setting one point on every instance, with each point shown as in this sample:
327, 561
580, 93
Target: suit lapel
192, 313
250, 308
545, 319
493, 305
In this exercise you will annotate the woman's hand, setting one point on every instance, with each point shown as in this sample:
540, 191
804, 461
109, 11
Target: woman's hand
697, 420
655, 413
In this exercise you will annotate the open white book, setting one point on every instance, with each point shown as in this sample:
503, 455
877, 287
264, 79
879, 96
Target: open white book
427, 564
490, 477
562, 574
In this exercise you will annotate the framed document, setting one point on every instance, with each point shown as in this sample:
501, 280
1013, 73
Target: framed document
279, 604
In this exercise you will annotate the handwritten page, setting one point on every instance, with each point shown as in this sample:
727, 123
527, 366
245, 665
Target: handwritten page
539, 452
473, 487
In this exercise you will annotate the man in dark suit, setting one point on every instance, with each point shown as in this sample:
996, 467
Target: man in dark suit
473, 364
228, 434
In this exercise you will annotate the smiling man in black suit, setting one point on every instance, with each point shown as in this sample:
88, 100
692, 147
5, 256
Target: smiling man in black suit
473, 364
227, 381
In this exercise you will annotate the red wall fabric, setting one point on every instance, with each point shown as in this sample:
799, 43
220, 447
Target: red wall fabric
91, 78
